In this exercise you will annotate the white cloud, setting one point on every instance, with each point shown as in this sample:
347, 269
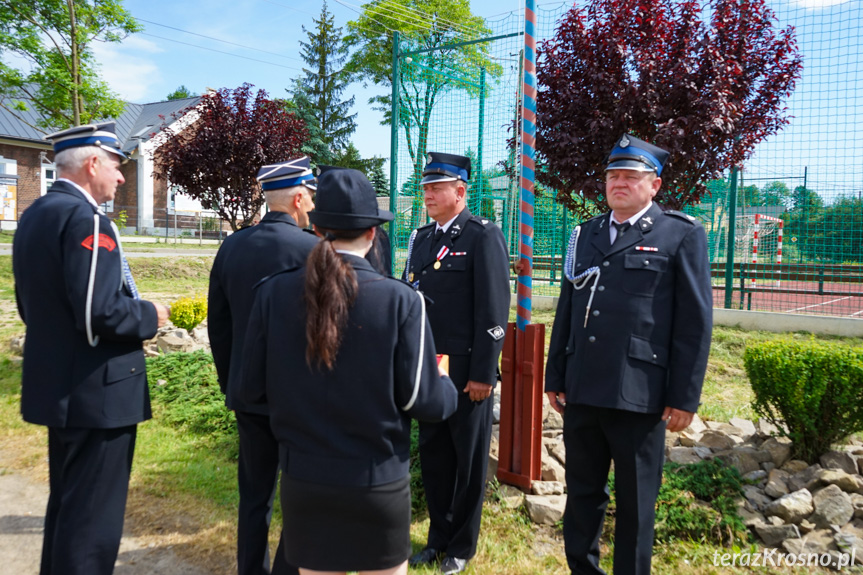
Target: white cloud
126, 67
816, 4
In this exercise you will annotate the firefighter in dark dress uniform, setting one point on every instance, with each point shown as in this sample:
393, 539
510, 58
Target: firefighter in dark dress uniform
84, 375
277, 243
460, 263
344, 357
628, 355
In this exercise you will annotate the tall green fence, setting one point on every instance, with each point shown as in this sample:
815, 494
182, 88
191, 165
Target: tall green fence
795, 240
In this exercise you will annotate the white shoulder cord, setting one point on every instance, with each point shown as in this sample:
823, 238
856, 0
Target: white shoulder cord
581, 280
88, 317
410, 251
413, 398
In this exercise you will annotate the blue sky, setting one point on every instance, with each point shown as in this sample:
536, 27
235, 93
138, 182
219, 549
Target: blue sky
147, 67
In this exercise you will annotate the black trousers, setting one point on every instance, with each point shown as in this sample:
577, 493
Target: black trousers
454, 461
257, 476
89, 480
593, 437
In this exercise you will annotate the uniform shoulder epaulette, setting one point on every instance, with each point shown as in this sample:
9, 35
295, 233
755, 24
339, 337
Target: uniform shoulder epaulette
308, 231
265, 279
479, 220
681, 216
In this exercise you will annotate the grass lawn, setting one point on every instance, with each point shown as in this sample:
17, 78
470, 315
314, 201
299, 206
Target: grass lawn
183, 489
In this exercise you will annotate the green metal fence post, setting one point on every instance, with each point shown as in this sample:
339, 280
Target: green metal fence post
394, 145
729, 245
478, 169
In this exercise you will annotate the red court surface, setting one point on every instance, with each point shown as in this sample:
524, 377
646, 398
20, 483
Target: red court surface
844, 300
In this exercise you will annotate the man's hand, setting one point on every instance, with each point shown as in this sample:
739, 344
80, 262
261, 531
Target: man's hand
477, 391
163, 312
677, 419
557, 400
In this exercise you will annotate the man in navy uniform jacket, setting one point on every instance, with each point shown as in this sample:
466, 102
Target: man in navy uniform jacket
628, 354
277, 243
84, 375
460, 263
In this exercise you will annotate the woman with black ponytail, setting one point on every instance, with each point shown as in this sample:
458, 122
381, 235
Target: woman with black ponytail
344, 358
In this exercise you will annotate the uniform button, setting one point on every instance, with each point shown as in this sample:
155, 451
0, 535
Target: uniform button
647, 262
449, 265
424, 272
595, 312
567, 348
605, 264
601, 288
654, 356
591, 339
468, 350
133, 370
578, 265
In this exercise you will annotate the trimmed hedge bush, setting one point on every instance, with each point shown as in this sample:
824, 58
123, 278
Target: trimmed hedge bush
812, 391
188, 312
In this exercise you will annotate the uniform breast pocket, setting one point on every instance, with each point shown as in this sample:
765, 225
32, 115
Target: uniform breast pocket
125, 386
451, 274
643, 272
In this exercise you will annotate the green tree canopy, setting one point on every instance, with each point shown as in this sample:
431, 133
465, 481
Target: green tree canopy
61, 80
181, 92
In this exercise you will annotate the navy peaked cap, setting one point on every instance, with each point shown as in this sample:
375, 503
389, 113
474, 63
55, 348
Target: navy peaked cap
294, 172
99, 135
442, 167
631, 153
346, 200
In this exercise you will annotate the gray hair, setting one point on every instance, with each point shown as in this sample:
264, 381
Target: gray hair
70, 160
284, 195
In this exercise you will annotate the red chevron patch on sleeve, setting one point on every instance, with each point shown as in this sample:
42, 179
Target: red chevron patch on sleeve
105, 241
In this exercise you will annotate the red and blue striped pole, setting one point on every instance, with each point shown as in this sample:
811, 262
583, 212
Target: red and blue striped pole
524, 286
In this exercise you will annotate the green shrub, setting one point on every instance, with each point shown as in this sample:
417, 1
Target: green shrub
121, 219
812, 391
188, 312
695, 503
189, 396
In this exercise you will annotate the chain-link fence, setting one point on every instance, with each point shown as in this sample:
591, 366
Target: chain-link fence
795, 243
168, 225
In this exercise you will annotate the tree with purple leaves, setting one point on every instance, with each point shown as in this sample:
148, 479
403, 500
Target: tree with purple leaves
705, 80
217, 158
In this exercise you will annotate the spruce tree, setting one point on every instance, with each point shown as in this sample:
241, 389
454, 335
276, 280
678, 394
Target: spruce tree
317, 93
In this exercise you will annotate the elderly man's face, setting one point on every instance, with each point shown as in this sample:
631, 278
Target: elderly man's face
630, 191
444, 200
105, 176
307, 204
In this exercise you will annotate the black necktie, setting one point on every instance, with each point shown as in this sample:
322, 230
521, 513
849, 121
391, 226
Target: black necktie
438, 236
621, 228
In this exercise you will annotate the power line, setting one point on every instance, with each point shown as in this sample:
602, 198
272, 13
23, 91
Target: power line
218, 39
408, 11
221, 52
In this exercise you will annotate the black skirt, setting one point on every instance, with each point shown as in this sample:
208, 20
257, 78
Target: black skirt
336, 528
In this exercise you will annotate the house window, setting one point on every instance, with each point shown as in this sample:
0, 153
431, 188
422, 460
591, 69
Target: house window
8, 189
49, 176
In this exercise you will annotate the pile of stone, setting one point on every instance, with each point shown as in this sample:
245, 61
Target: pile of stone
789, 504
170, 339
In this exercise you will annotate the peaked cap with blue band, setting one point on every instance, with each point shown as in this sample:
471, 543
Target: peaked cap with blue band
294, 172
445, 168
631, 153
99, 135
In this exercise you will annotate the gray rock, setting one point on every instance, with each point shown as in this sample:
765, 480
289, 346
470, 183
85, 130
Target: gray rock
793, 466
491, 469
703, 452
170, 343
857, 504
792, 508
552, 432
755, 476
683, 455
776, 486
772, 535
696, 426
553, 420
800, 480
201, 335
832, 507
854, 528
850, 545
511, 496
756, 497
845, 482
16, 344
806, 526
744, 425
545, 510
551, 469
778, 448
839, 460
689, 439
766, 428
559, 453
768, 466
546, 487
744, 459
716, 440
819, 542
671, 439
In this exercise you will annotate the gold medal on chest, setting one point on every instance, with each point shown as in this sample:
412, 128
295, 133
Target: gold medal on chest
411, 277
437, 265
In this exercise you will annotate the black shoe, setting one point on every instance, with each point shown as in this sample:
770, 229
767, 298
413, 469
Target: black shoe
425, 557
452, 565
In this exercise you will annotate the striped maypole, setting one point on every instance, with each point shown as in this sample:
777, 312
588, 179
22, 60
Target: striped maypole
528, 165
755, 246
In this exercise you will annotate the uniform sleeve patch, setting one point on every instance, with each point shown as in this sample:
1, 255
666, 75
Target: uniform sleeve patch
497, 333
105, 241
